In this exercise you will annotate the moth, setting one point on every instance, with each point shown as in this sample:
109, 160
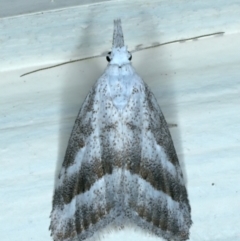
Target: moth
120, 166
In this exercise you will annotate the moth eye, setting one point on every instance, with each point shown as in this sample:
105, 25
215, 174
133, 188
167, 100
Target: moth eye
108, 56
130, 56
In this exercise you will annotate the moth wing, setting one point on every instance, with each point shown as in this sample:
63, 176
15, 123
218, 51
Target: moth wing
155, 191
84, 197
120, 166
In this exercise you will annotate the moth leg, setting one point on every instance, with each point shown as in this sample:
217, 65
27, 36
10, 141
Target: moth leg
170, 125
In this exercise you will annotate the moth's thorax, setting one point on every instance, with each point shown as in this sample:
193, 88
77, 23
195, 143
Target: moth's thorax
120, 83
119, 56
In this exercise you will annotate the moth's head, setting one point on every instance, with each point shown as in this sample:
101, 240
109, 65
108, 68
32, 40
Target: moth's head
119, 54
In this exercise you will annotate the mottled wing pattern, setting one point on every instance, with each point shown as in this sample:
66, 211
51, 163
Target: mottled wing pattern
154, 189
89, 183
120, 166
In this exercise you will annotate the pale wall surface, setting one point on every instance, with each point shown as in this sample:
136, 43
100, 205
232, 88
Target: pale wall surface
197, 84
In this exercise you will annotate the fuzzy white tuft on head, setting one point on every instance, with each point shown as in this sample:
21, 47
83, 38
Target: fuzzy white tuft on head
120, 56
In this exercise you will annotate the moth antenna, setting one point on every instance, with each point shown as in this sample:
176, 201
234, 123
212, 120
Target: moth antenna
118, 40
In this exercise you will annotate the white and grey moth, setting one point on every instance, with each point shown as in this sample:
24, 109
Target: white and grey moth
120, 166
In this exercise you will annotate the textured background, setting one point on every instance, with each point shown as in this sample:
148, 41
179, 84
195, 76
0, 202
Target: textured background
196, 82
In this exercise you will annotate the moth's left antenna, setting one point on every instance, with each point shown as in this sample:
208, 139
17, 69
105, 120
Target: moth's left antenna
118, 40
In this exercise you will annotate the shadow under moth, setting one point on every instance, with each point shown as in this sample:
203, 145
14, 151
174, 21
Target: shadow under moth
120, 167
